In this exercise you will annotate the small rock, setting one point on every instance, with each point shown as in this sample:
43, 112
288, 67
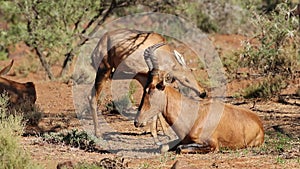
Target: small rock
65, 165
182, 165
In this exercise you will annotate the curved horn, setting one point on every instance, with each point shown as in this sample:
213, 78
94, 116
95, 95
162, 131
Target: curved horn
150, 58
5, 70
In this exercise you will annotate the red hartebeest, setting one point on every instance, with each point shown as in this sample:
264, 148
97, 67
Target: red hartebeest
202, 126
122, 50
18, 92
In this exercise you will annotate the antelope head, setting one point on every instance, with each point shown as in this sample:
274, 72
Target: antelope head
153, 100
181, 74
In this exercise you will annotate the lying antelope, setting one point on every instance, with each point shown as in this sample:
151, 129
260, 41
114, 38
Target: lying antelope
122, 50
202, 126
18, 92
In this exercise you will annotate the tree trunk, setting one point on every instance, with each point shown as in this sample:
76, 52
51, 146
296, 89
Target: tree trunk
44, 63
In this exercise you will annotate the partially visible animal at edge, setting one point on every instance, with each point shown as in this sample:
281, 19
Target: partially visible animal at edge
123, 49
236, 127
19, 93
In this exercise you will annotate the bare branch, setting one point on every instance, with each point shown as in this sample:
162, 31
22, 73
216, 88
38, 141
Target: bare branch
105, 14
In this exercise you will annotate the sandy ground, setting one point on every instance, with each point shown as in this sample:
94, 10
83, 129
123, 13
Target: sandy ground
63, 107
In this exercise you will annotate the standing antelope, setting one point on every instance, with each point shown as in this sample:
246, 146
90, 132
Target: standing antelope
18, 92
122, 51
199, 126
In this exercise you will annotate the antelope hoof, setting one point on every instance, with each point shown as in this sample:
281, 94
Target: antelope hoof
137, 124
179, 149
158, 143
164, 148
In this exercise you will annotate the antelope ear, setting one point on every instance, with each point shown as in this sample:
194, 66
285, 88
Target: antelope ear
160, 86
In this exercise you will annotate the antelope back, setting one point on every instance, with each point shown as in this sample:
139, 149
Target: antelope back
18, 92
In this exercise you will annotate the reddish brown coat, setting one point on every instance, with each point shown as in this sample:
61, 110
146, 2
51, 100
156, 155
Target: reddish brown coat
18, 92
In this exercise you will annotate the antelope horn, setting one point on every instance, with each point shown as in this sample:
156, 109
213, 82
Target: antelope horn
150, 58
5, 70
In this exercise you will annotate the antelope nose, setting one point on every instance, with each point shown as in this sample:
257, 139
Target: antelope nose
203, 94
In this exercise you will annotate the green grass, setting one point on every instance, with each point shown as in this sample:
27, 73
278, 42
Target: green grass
276, 144
12, 155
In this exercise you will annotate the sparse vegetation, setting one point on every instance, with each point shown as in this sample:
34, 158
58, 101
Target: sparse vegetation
122, 104
28, 66
132, 90
231, 64
31, 114
267, 88
277, 144
87, 166
275, 55
74, 138
12, 155
280, 145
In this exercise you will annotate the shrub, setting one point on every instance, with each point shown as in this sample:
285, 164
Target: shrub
12, 155
278, 49
31, 114
122, 104
75, 138
265, 89
275, 55
230, 63
215, 16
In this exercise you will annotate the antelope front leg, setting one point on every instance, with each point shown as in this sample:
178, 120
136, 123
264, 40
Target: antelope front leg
165, 126
153, 130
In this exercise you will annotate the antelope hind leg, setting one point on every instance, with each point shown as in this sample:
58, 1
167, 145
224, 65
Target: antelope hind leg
194, 148
93, 108
170, 146
101, 77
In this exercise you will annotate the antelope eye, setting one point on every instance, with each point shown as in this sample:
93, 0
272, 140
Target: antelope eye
187, 80
169, 78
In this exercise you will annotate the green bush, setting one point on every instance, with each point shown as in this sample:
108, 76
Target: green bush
278, 49
265, 89
230, 63
75, 138
274, 56
12, 155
